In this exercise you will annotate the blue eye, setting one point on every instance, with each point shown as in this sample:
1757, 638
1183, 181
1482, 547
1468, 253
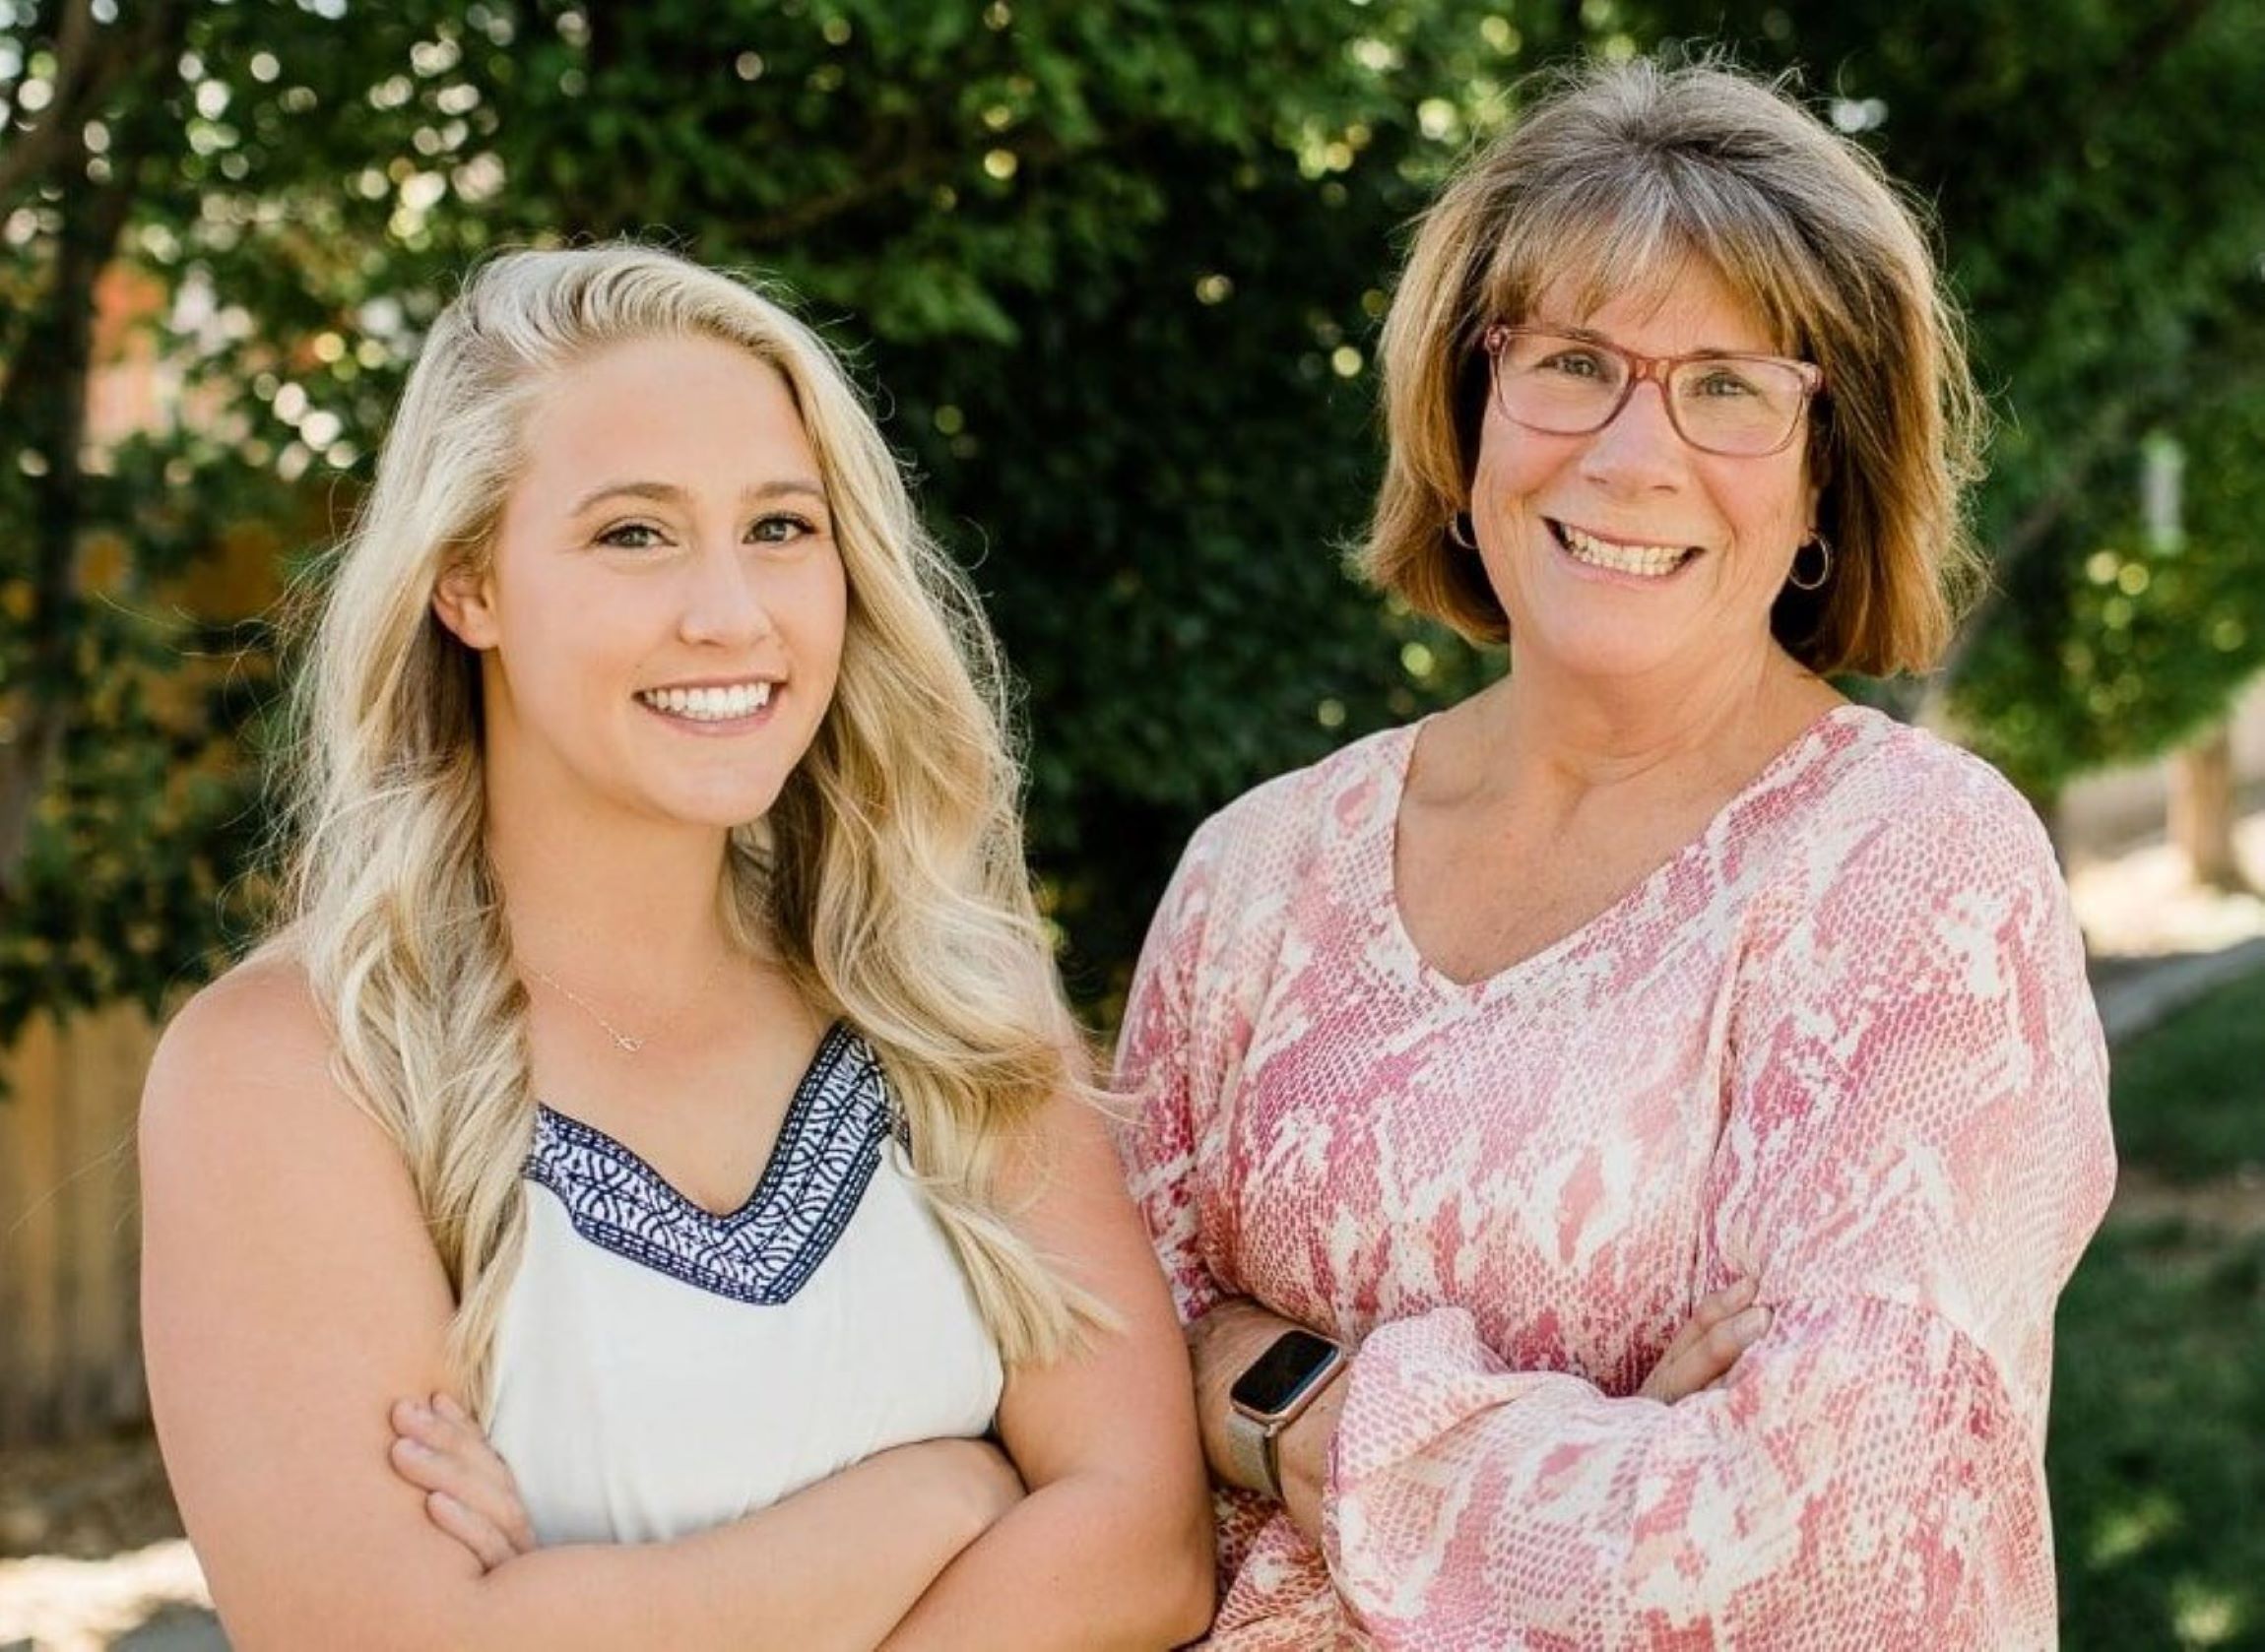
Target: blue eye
1576, 363
1723, 385
633, 536
780, 527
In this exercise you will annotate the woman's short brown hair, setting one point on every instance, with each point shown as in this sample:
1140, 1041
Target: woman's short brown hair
1616, 176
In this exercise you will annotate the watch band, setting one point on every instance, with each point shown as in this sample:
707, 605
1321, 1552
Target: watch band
1248, 1445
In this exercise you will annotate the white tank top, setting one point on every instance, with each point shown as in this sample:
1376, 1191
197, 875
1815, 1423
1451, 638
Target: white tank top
661, 1370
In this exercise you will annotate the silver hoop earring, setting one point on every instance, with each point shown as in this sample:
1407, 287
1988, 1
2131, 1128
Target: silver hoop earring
1824, 566
1462, 531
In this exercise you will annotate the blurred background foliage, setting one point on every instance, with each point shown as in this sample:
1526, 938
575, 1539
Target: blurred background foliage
1111, 270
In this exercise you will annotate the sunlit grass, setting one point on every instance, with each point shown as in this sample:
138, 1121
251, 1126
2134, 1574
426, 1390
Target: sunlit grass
2190, 1095
2158, 1449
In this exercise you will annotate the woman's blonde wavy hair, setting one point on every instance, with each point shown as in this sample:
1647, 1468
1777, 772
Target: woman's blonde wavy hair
888, 875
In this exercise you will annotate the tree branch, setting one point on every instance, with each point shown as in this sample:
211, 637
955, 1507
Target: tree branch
82, 75
2239, 369
45, 398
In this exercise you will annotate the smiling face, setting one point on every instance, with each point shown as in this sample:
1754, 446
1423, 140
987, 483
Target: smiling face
1627, 553
660, 620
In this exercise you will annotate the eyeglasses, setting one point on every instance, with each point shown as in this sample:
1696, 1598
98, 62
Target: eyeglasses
1572, 384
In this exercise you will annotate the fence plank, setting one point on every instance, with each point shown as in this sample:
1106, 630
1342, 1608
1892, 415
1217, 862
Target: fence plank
118, 1394
76, 1093
70, 1353
35, 1098
15, 1281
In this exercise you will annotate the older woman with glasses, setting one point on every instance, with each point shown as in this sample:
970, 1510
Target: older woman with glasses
1476, 1056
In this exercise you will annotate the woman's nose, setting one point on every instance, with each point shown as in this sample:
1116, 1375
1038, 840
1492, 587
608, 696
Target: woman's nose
1640, 448
722, 599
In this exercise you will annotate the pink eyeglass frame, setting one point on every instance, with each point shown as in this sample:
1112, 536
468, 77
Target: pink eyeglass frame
1655, 368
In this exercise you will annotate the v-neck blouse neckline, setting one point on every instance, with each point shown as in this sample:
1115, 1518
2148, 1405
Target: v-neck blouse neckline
1505, 980
765, 1249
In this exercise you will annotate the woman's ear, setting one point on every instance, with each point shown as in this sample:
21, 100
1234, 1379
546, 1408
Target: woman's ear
463, 600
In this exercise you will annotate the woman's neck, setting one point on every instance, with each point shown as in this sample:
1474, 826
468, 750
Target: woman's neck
1540, 734
601, 900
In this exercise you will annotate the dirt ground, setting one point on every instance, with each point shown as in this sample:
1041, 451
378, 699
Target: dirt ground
84, 1502
91, 1557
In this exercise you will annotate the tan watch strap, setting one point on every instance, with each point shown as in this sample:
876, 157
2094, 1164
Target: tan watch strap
1247, 1446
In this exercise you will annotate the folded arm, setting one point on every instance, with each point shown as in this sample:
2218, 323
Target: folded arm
1112, 1546
1914, 1154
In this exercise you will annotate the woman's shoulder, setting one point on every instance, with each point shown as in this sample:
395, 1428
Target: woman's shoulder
256, 1017
1352, 786
1243, 865
1888, 830
244, 1068
1878, 781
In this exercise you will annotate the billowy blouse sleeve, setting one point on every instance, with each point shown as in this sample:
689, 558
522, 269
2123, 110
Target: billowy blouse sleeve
1915, 1150
1157, 1067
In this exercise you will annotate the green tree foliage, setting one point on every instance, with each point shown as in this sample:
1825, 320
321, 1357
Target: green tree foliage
2104, 214
1111, 270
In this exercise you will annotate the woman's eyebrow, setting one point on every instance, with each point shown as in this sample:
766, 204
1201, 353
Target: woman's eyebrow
669, 494
1589, 335
659, 492
784, 488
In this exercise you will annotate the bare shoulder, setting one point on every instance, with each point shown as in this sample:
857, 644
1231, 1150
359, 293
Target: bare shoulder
254, 1021
242, 1063
290, 1291
245, 1133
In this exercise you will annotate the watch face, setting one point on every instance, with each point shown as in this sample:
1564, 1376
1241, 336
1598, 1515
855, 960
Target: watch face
1296, 1359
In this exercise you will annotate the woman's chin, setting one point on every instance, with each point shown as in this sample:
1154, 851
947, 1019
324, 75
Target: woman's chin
710, 806
1603, 659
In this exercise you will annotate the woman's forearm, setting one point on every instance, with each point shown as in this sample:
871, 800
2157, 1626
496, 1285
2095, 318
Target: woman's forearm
832, 1568
1087, 1562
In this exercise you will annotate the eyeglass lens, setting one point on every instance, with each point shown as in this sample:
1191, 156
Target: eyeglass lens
1569, 387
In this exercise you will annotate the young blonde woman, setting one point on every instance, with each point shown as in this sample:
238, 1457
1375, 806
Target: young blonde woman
660, 1067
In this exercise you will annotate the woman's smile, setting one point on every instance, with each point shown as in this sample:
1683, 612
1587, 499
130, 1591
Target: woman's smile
1632, 561
715, 708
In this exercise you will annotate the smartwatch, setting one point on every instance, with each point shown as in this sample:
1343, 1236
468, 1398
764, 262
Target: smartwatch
1272, 1392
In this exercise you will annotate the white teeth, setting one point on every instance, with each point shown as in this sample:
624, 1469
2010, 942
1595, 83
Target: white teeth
1652, 561
710, 705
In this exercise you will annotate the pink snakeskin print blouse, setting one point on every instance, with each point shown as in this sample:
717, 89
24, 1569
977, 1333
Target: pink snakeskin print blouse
1841, 1040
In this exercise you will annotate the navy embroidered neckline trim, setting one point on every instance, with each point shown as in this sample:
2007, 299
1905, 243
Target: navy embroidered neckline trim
829, 1145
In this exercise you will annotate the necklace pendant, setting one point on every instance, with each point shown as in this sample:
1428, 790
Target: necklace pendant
626, 1044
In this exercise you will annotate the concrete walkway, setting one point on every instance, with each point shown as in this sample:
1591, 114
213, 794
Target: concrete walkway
2131, 1004
147, 1599
2158, 941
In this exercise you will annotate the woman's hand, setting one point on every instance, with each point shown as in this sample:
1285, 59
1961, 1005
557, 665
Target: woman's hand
469, 1490
1721, 1328
1225, 1341
1222, 1345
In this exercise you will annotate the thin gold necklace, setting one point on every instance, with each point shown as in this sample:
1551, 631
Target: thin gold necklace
626, 1043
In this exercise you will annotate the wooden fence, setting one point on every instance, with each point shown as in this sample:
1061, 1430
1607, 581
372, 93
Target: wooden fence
70, 1234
